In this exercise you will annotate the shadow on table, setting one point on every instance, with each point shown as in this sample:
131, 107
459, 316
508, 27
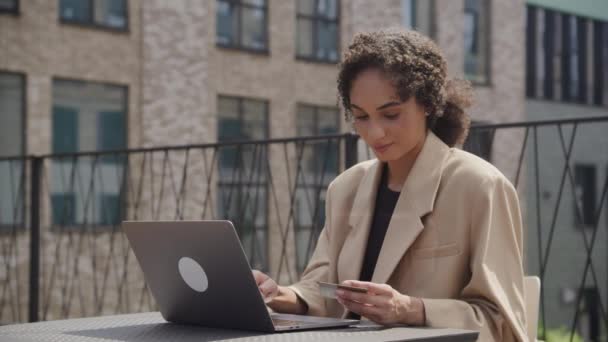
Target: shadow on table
163, 332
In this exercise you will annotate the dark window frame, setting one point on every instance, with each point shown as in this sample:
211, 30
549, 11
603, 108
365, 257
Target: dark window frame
95, 227
238, 46
95, 25
414, 4
315, 19
582, 36
314, 187
531, 42
14, 11
21, 226
487, 81
246, 185
316, 109
598, 80
549, 45
588, 215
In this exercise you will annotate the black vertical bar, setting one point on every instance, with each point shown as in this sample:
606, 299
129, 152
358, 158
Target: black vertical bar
549, 42
598, 74
35, 239
566, 58
531, 51
414, 11
350, 150
581, 32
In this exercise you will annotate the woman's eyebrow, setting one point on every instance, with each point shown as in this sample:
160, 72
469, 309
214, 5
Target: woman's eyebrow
389, 104
384, 106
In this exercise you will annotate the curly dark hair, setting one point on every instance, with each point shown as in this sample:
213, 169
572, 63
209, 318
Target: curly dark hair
417, 67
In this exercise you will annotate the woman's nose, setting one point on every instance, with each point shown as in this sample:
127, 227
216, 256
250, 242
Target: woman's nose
376, 131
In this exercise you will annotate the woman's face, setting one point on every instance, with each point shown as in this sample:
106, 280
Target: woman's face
392, 128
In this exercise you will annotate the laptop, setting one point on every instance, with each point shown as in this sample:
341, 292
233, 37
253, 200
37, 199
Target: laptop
198, 274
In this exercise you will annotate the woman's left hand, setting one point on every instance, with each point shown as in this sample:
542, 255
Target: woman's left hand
382, 304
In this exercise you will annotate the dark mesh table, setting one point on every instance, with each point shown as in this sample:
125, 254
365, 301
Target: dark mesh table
152, 327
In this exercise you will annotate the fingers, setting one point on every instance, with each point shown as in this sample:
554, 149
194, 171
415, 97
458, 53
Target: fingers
379, 289
364, 298
268, 287
259, 277
366, 310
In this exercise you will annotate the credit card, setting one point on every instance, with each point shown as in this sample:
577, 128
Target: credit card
328, 290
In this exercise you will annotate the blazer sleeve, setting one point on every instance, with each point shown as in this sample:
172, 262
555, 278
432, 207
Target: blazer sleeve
493, 300
316, 270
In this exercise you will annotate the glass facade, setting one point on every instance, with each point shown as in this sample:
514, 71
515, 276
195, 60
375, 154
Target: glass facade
566, 57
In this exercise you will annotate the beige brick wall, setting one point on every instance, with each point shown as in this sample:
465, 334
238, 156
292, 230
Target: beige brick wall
36, 44
502, 100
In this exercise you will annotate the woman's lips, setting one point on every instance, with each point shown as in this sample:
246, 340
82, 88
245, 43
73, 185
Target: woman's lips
382, 148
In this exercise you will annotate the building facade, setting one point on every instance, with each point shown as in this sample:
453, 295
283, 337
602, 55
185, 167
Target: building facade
567, 77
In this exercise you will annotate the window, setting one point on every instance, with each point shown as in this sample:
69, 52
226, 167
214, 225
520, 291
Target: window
600, 62
600, 54
87, 116
566, 58
242, 24
319, 166
313, 121
317, 31
243, 185
417, 15
585, 187
574, 61
12, 177
605, 62
9, 6
110, 14
531, 20
476, 40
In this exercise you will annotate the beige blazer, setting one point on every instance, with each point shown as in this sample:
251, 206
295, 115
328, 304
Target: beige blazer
454, 240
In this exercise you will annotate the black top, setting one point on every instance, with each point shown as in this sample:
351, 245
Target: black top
386, 199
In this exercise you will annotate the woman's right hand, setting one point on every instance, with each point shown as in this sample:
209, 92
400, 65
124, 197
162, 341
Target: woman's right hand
268, 287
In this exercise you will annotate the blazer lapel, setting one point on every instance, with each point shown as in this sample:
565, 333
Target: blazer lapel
351, 256
403, 229
417, 199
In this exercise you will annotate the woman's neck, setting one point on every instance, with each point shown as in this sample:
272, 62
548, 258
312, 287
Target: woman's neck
399, 170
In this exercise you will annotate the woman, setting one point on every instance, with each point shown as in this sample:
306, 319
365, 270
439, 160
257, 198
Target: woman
434, 233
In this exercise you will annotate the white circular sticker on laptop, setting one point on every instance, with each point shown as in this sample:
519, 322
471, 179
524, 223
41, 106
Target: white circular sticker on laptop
193, 274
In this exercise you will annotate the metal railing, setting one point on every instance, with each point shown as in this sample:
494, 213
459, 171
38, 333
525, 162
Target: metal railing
62, 253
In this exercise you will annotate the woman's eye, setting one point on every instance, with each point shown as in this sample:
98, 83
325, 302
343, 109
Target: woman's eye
391, 116
360, 117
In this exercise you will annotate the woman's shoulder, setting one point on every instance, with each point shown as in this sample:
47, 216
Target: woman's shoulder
471, 170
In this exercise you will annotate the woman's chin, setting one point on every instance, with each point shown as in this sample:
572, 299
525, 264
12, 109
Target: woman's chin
385, 157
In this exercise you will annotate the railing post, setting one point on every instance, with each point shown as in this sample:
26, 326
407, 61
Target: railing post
350, 150
35, 194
